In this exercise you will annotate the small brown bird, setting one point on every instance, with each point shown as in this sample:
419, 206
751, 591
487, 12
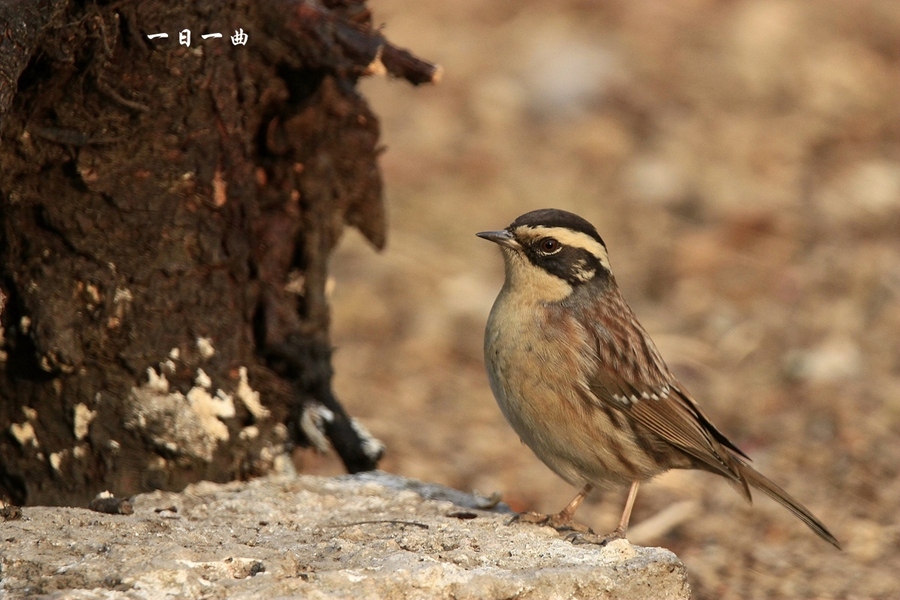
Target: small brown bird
582, 383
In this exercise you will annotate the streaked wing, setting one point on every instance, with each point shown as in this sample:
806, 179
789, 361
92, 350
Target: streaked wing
631, 375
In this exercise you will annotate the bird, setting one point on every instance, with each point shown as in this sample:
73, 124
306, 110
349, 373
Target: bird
583, 385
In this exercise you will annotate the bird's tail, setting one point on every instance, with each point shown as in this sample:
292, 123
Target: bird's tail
773, 491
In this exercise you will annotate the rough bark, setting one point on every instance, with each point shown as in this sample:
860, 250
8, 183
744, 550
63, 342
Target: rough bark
167, 213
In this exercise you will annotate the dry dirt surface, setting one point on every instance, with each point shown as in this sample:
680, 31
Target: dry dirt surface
742, 161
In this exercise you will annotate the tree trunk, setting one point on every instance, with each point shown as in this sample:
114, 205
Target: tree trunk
167, 213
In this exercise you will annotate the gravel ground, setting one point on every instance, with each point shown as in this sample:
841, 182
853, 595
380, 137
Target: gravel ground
742, 161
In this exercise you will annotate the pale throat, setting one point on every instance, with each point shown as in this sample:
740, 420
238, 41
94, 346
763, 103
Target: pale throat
531, 284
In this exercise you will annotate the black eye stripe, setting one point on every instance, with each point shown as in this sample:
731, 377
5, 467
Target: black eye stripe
568, 263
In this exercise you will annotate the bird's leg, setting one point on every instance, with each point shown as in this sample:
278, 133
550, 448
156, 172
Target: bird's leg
561, 521
565, 519
618, 532
629, 505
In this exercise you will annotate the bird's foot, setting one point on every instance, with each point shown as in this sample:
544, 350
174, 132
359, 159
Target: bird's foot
594, 539
561, 522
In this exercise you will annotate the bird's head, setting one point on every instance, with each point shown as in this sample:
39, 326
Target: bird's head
549, 253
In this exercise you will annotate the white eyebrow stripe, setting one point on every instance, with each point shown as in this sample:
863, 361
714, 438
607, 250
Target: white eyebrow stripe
568, 237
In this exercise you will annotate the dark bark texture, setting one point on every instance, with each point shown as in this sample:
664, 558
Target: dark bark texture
167, 213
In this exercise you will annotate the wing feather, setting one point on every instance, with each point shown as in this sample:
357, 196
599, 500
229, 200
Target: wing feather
630, 374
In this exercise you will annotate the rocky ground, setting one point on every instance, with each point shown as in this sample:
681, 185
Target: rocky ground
368, 536
742, 161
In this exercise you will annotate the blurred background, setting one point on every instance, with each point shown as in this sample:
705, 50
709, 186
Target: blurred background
741, 159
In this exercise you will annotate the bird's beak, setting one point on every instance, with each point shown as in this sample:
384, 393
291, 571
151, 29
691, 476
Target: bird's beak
502, 237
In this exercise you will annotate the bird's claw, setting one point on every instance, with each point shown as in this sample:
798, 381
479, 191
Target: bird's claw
560, 522
592, 538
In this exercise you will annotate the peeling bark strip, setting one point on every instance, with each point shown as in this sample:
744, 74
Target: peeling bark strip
166, 216
368, 51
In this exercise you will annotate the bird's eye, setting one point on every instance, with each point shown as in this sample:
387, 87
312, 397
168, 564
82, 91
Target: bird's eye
549, 245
